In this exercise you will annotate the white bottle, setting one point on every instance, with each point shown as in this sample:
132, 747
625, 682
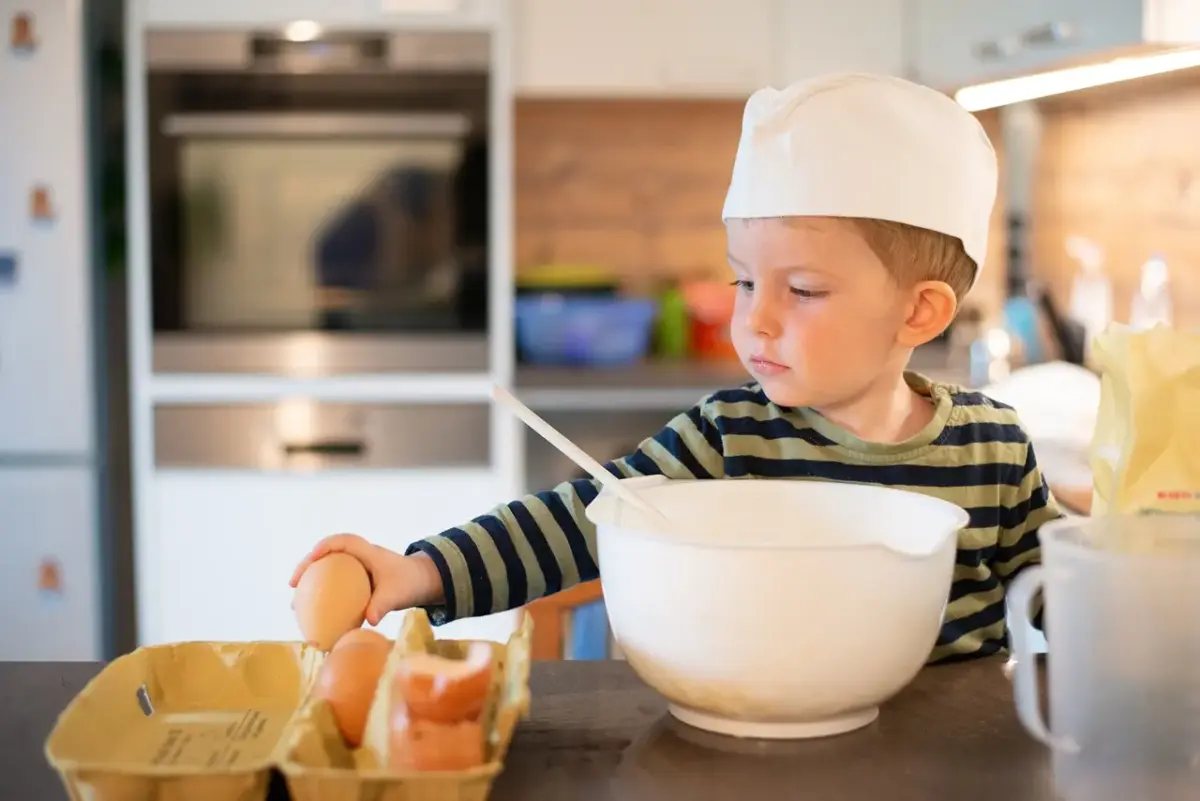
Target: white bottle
1151, 304
1091, 302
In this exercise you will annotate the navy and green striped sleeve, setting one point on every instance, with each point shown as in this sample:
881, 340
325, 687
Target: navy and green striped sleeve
1031, 506
543, 543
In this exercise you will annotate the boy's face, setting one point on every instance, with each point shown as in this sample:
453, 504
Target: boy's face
818, 315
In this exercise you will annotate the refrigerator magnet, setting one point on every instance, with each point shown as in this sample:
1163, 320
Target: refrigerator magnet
41, 206
8, 268
50, 578
22, 38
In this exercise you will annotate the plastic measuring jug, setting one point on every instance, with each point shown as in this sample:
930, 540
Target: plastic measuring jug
1122, 621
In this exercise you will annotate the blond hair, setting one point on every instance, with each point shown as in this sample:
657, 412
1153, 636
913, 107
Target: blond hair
915, 254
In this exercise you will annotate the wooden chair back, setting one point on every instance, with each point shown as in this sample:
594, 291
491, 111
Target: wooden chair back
552, 618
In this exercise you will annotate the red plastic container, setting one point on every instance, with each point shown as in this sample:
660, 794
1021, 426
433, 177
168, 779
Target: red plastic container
710, 305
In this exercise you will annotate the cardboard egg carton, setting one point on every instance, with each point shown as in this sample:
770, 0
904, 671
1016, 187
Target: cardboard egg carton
217, 721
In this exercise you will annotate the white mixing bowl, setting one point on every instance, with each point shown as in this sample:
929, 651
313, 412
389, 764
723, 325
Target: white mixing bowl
776, 608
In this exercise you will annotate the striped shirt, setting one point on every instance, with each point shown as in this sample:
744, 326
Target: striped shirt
973, 453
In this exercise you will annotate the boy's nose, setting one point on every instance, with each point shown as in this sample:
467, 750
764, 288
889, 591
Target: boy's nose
763, 319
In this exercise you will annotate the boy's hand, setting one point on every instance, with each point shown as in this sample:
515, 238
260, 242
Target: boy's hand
397, 582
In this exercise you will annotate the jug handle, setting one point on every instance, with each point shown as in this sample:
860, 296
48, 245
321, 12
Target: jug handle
1025, 673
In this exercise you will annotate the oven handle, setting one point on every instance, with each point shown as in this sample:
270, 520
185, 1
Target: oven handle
286, 124
329, 447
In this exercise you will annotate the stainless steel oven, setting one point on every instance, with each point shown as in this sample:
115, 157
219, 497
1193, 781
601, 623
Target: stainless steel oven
319, 200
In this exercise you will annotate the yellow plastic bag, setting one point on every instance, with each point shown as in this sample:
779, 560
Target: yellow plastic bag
1145, 453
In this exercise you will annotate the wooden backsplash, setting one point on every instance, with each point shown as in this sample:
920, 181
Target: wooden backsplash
634, 186
638, 186
1116, 166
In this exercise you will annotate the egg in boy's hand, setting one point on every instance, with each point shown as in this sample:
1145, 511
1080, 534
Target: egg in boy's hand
329, 598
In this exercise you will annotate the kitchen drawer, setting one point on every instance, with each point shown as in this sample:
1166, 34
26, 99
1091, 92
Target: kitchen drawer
225, 545
304, 435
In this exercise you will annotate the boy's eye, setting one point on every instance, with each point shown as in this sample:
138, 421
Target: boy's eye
743, 284
807, 293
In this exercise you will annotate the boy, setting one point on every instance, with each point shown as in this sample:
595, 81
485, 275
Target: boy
856, 218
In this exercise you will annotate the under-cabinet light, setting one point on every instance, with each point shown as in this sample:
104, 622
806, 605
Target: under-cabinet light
1070, 79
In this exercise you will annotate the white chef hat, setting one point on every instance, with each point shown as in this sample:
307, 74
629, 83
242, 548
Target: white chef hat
873, 146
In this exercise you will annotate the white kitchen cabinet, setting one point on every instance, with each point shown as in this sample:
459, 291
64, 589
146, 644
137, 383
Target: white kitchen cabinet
224, 543
45, 270
635, 48
812, 38
50, 565
960, 42
333, 13
719, 47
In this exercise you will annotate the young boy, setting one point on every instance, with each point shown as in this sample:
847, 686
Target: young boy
857, 219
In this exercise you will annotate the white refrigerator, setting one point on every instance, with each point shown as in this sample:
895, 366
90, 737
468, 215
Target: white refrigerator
52, 551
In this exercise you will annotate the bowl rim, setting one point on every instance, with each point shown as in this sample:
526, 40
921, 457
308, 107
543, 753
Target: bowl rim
960, 515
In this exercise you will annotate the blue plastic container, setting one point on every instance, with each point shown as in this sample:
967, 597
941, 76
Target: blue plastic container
574, 330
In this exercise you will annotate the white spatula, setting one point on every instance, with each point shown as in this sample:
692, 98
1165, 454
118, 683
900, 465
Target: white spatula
575, 453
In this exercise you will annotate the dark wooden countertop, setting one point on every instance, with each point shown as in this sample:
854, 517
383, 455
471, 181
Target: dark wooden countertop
596, 732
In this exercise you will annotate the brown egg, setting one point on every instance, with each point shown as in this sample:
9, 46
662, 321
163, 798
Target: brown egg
443, 690
331, 599
362, 636
347, 683
425, 745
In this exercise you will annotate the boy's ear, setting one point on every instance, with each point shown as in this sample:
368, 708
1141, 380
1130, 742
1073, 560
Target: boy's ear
930, 312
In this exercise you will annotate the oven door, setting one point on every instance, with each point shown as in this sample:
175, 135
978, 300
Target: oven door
319, 205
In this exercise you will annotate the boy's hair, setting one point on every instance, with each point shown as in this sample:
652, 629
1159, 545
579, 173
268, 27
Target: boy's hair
917, 254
